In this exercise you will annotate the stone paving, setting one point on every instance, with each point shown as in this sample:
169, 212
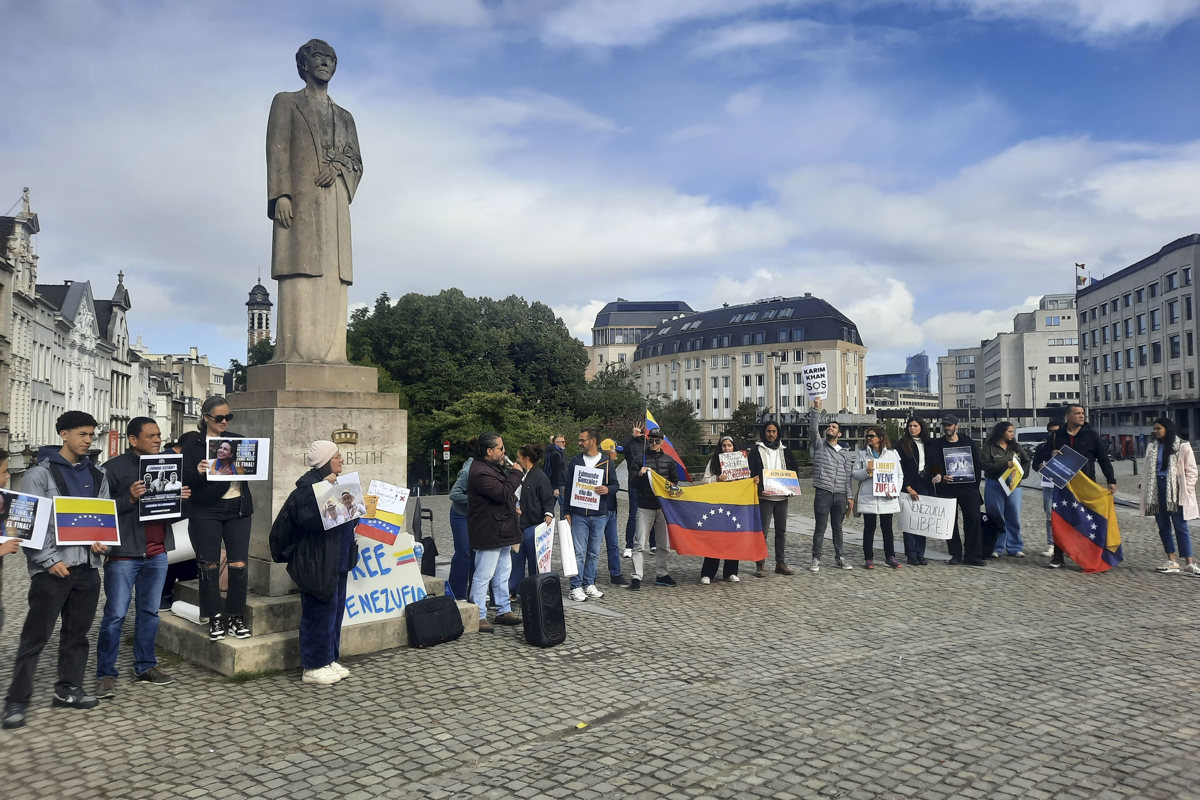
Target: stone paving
927, 682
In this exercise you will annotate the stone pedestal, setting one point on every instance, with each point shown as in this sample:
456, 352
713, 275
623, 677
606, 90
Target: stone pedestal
293, 405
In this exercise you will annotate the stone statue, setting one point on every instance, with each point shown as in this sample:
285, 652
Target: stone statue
313, 169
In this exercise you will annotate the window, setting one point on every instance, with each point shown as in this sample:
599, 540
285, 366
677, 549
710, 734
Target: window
1191, 380
714, 383
725, 382
1155, 319
745, 359
1116, 331
1129, 357
1153, 294
1157, 383
783, 379
1141, 323
964, 359
783, 356
1142, 350
745, 380
1127, 299
759, 381
797, 334
1171, 281
1173, 311
1173, 348
712, 362
758, 357
1104, 310
964, 373
1129, 389
1053, 321
1187, 276
735, 318
1188, 339
1106, 362
1176, 380
769, 315
759, 337
1138, 296
1129, 329
783, 336
753, 315
1104, 335
1117, 360
786, 313
1142, 388
1156, 352
1187, 307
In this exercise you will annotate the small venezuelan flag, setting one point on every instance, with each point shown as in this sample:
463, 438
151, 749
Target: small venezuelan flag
83, 520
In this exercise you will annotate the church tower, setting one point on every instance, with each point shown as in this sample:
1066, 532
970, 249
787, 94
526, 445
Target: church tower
258, 316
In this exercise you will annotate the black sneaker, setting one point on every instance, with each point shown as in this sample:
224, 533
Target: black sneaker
1055, 565
154, 676
74, 698
974, 562
237, 627
955, 560
618, 580
635, 584
216, 628
14, 714
664, 580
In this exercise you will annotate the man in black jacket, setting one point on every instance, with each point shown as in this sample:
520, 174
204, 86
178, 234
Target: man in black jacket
649, 514
634, 451
555, 467
1083, 439
964, 490
140, 560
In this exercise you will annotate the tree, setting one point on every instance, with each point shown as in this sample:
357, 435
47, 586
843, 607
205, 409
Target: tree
743, 424
610, 400
463, 420
677, 418
261, 353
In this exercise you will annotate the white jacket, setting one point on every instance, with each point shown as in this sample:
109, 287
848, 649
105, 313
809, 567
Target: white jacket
865, 500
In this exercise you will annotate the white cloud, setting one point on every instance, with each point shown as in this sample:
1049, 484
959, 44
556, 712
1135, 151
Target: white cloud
618, 23
580, 318
450, 13
1094, 19
750, 36
745, 102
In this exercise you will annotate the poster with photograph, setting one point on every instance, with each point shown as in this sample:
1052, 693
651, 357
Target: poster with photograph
886, 477
583, 492
238, 459
960, 465
83, 520
1063, 466
735, 466
780, 483
339, 502
384, 517
164, 489
24, 517
1011, 478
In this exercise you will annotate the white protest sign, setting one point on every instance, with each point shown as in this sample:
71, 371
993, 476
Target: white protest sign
927, 516
816, 381
387, 578
543, 545
886, 478
583, 488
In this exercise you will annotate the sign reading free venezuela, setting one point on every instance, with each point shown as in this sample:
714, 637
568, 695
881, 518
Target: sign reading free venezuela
387, 578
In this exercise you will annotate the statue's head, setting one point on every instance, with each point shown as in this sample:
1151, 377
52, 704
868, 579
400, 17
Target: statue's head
306, 50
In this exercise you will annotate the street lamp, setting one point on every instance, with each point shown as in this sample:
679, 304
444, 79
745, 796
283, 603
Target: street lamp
1033, 391
1007, 407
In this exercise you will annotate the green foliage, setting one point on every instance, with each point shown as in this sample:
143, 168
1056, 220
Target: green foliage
443, 347
743, 424
895, 429
677, 418
475, 413
261, 353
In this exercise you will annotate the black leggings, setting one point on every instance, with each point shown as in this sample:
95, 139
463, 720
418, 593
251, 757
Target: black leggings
209, 527
885, 525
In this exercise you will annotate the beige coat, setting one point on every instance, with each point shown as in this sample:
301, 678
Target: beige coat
1185, 471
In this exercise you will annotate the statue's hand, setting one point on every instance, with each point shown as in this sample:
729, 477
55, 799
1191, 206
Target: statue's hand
283, 211
327, 175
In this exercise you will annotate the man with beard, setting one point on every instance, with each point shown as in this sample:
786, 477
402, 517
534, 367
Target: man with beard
493, 526
964, 490
832, 468
1083, 439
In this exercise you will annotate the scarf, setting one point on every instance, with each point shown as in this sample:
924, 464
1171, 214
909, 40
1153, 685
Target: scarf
1153, 501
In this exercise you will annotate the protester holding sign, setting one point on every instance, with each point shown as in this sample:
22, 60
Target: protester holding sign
875, 508
832, 465
963, 489
537, 508
999, 453
64, 581
320, 565
1041, 455
493, 525
715, 471
914, 451
140, 561
591, 493
1083, 439
1169, 493
220, 514
770, 453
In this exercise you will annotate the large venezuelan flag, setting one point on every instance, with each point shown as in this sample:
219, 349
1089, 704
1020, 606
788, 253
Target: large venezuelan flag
717, 520
1084, 519
83, 520
668, 448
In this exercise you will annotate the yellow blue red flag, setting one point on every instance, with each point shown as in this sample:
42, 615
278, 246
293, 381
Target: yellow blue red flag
1084, 519
83, 520
716, 520
668, 448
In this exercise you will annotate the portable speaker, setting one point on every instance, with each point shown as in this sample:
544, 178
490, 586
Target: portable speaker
542, 610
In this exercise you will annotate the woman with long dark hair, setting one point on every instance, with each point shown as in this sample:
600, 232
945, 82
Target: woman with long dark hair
536, 501
913, 449
1004, 508
220, 514
713, 472
1169, 493
875, 509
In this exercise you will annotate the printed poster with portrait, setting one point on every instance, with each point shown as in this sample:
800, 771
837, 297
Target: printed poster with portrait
960, 465
164, 489
238, 459
339, 502
24, 517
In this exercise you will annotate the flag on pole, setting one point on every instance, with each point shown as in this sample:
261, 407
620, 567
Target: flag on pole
668, 448
1084, 519
716, 520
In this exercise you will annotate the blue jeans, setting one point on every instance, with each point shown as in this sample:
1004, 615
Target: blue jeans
527, 556
120, 578
612, 545
491, 568
631, 522
1167, 519
587, 533
1006, 510
462, 563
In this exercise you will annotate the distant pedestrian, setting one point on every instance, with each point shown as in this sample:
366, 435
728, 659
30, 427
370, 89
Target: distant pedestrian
1169, 493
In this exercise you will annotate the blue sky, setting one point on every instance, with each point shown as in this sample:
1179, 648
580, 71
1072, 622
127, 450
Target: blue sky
928, 166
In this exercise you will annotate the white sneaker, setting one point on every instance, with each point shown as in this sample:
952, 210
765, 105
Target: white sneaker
628, 553
340, 670
1169, 566
577, 594
324, 676
1019, 554
734, 579
843, 563
1193, 568
705, 581
593, 592
1049, 551
815, 566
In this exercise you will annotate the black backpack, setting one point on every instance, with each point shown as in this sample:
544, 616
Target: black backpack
284, 535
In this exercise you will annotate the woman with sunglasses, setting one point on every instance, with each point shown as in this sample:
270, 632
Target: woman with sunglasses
875, 509
220, 514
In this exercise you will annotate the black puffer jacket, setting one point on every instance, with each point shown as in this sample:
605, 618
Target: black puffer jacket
319, 554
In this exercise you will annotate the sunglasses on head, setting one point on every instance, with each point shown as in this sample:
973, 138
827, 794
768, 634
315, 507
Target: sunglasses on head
219, 418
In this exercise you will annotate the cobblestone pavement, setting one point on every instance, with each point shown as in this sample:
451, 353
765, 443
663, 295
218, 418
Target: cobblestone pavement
926, 682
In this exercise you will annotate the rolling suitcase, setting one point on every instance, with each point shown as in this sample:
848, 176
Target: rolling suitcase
542, 610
